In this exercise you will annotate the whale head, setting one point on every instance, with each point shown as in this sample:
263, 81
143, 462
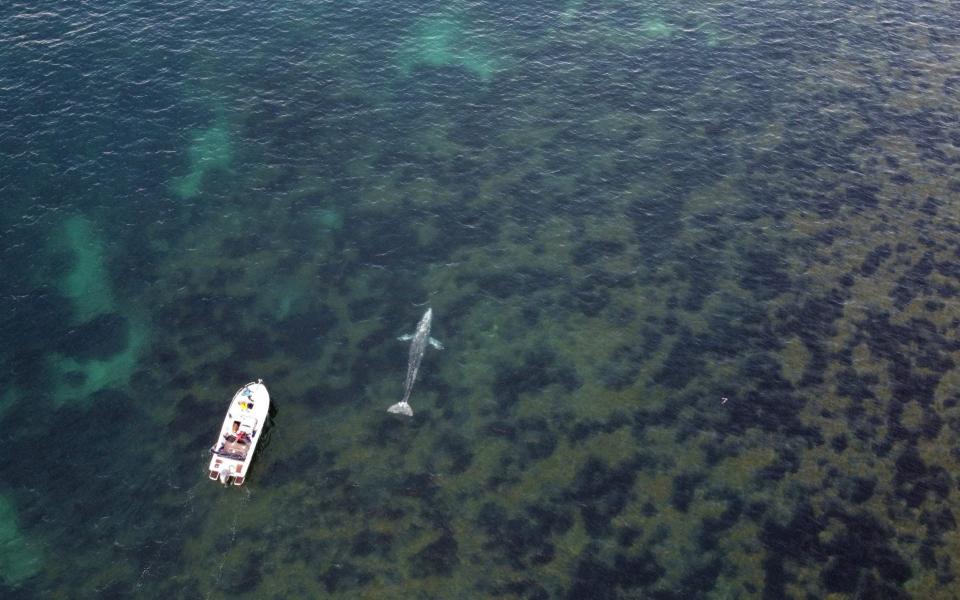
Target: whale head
425, 320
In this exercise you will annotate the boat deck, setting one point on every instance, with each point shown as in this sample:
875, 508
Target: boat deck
235, 450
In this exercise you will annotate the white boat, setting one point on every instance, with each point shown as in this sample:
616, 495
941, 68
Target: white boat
242, 429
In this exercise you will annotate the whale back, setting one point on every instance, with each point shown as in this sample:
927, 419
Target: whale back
417, 348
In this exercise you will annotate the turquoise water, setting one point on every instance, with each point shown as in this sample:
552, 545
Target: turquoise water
694, 266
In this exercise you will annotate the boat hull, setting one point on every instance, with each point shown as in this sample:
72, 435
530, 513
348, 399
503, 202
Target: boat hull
240, 434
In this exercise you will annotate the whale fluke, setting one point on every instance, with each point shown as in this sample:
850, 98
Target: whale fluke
401, 408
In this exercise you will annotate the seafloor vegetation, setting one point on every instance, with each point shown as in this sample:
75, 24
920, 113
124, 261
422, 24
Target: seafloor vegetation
695, 269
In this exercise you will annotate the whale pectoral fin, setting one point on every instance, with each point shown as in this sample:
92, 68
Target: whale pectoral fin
405, 338
435, 343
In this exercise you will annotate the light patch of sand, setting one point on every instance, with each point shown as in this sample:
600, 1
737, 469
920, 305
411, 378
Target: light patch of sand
20, 559
89, 288
100, 374
210, 149
87, 285
443, 40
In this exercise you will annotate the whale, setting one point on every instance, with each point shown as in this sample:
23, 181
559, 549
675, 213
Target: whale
420, 339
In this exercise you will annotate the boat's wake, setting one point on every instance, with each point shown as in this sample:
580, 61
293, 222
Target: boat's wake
186, 508
234, 525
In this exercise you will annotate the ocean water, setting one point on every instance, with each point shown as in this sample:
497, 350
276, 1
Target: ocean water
695, 265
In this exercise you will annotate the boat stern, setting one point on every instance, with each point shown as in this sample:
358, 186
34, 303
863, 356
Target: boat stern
226, 471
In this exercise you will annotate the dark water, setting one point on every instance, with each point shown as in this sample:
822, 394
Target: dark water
695, 266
